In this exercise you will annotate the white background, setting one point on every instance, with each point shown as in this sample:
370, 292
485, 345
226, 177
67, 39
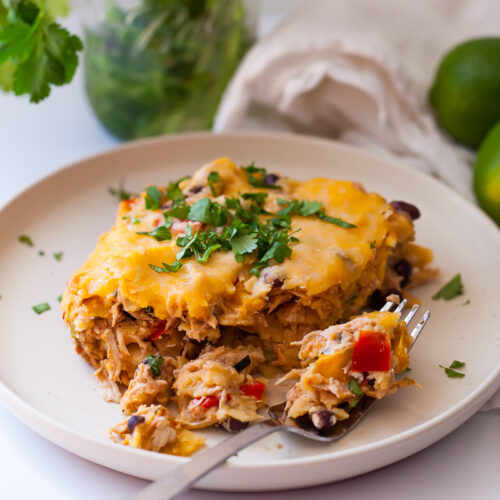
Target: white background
38, 139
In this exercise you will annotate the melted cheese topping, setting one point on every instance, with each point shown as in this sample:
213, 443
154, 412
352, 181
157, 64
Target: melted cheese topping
326, 255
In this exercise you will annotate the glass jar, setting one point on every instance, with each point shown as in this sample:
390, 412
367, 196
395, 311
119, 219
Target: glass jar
161, 66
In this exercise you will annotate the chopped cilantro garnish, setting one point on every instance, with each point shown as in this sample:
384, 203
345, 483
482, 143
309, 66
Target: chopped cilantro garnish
453, 373
372, 244
59, 298
259, 198
26, 240
258, 177
40, 308
153, 198
243, 363
179, 210
135, 220
58, 256
355, 388
166, 268
306, 208
453, 288
212, 178
334, 220
174, 192
209, 212
160, 233
120, 193
155, 364
244, 245
41, 253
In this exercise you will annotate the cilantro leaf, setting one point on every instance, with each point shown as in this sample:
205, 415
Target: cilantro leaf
355, 388
58, 256
161, 233
120, 193
243, 245
335, 220
41, 308
174, 192
179, 210
457, 364
452, 373
208, 211
26, 240
155, 364
35, 51
259, 178
259, 198
153, 198
166, 268
453, 288
212, 178
59, 298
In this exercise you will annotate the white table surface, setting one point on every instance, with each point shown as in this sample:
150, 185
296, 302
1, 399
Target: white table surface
36, 140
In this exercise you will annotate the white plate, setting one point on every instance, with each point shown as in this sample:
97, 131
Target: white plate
53, 391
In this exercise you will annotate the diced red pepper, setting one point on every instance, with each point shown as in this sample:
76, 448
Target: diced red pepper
157, 330
372, 352
205, 402
255, 389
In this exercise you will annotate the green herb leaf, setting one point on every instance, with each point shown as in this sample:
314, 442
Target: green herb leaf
161, 233
153, 198
457, 364
58, 256
155, 364
179, 210
372, 244
256, 177
243, 245
354, 403
166, 268
174, 192
59, 298
41, 253
208, 212
259, 198
335, 220
453, 288
120, 193
355, 388
212, 178
26, 240
452, 373
40, 308
135, 220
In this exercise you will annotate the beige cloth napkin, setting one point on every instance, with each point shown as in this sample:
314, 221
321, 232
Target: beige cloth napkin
360, 71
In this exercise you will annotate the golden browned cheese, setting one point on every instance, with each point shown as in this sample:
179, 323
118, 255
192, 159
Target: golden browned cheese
327, 256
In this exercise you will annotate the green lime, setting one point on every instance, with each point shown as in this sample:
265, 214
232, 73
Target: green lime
466, 90
487, 174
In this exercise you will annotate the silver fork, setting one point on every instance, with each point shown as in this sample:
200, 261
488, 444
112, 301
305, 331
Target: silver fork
180, 479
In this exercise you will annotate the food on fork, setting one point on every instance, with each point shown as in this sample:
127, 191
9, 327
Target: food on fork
228, 263
345, 362
217, 387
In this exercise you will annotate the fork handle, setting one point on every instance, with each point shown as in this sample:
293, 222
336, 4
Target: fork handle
181, 478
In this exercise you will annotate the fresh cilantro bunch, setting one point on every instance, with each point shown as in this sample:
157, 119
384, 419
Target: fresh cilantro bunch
35, 51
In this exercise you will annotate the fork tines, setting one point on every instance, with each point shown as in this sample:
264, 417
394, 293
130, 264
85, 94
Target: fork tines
399, 308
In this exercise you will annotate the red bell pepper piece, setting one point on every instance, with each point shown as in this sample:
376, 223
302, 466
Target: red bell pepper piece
372, 352
255, 389
205, 402
157, 330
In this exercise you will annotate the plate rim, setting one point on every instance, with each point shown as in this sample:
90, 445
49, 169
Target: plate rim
29, 414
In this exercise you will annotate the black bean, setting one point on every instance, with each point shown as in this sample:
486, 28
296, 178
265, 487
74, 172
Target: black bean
271, 179
133, 421
378, 299
277, 283
322, 419
410, 209
242, 363
403, 268
196, 189
233, 425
